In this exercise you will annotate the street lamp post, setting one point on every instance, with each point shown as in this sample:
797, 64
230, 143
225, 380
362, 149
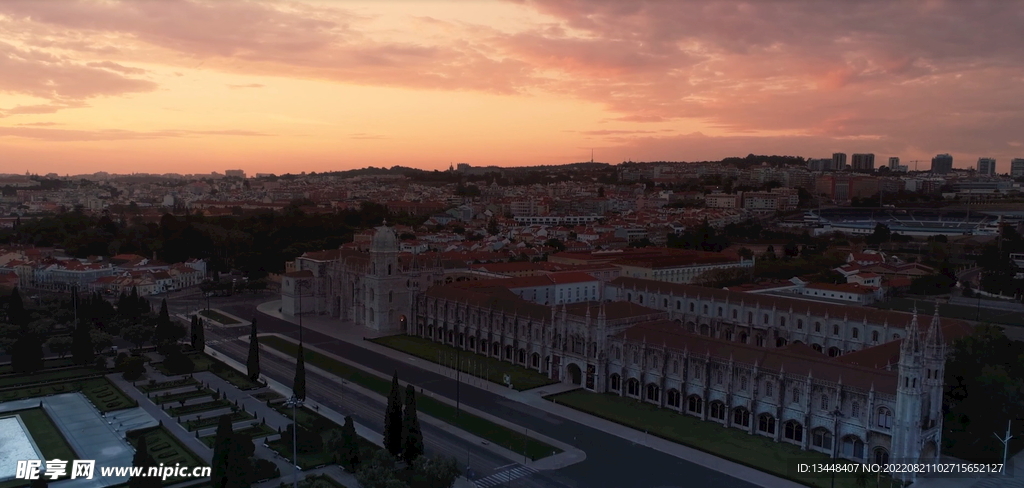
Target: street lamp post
295, 402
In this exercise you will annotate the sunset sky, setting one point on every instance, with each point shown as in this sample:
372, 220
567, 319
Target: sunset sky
289, 86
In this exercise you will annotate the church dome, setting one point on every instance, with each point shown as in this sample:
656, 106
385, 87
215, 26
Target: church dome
385, 240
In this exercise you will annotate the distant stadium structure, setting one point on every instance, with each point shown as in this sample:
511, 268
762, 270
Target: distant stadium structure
911, 222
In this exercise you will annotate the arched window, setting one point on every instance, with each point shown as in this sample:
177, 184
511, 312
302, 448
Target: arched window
821, 438
734, 313
794, 431
835, 329
824, 402
673, 398
855, 410
391, 296
389, 270
691, 306
765, 319
633, 387
675, 366
768, 388
895, 336
750, 317
817, 326
664, 302
640, 298
855, 333
614, 382
885, 419
679, 304
782, 321
718, 410
653, 392
743, 382
705, 309
719, 376
874, 336
654, 362
719, 311
741, 416
766, 423
881, 456
629, 297
636, 357
796, 395
694, 404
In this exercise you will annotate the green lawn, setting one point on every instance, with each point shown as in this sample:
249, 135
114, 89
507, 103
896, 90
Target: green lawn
204, 362
46, 436
213, 421
219, 317
497, 434
102, 393
737, 445
198, 407
492, 369
45, 375
258, 430
312, 421
963, 312
185, 395
166, 449
167, 385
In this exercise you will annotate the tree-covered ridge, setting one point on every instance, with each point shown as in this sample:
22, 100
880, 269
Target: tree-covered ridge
256, 243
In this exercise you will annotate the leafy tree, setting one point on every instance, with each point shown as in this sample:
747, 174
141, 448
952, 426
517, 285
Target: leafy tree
378, 471
138, 334
16, 308
412, 436
984, 381
100, 340
435, 472
393, 419
555, 243
60, 345
492, 227
299, 383
880, 235
253, 363
792, 249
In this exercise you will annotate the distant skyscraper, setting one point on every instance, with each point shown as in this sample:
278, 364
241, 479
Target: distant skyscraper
1017, 167
234, 173
986, 166
942, 164
894, 163
839, 161
823, 164
863, 162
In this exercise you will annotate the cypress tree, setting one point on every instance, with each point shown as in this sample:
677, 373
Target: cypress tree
143, 459
221, 452
299, 384
81, 343
393, 419
253, 364
412, 436
193, 330
133, 300
200, 334
349, 445
15, 308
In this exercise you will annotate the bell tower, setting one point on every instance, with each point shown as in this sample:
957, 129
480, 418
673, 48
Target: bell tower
911, 398
387, 296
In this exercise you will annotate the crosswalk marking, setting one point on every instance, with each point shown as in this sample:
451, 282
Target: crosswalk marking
505, 476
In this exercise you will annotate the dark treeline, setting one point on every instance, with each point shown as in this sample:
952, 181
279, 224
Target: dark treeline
256, 243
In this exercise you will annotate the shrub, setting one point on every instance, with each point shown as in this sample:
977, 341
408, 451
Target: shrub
133, 368
309, 441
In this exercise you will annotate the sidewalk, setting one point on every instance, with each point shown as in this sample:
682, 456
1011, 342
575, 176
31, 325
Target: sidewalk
534, 398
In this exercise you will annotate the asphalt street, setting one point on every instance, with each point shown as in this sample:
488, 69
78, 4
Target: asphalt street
611, 461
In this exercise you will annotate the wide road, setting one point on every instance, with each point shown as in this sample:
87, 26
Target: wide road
611, 461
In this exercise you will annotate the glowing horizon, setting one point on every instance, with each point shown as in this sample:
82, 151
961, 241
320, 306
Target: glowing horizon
183, 86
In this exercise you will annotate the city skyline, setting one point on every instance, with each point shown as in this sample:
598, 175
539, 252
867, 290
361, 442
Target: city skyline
277, 87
